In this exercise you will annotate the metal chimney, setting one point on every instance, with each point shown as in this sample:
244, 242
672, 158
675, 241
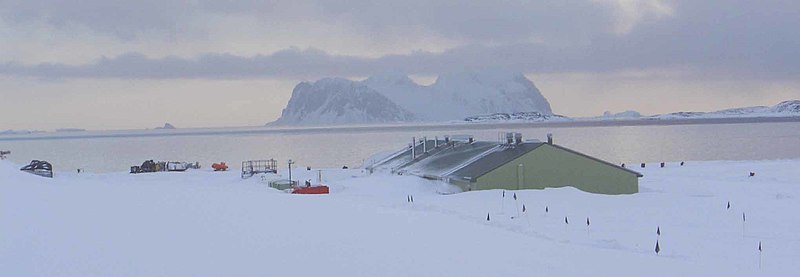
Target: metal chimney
413, 147
424, 144
436, 142
549, 138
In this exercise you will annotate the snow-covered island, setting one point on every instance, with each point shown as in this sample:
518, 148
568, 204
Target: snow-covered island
517, 116
19, 132
708, 218
69, 130
790, 108
785, 109
392, 98
621, 115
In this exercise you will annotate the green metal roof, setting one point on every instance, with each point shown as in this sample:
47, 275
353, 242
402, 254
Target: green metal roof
499, 158
494, 160
443, 160
468, 161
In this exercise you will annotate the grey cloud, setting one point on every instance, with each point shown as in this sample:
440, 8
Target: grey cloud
312, 63
737, 39
125, 19
474, 21
466, 20
288, 63
480, 20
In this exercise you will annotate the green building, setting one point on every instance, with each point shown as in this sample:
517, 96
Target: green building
509, 163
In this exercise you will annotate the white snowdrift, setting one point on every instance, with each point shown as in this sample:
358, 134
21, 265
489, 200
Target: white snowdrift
202, 223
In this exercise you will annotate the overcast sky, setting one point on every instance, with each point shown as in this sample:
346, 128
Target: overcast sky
112, 64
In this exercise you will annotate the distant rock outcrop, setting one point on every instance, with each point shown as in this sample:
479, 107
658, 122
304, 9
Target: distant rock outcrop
397, 98
787, 107
167, 126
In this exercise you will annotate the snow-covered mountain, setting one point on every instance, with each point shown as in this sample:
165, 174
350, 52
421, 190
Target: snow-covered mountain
339, 101
392, 97
783, 109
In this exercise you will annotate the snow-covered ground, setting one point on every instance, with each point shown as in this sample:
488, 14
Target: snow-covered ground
202, 223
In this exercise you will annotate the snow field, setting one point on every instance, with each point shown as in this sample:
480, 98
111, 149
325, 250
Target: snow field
202, 223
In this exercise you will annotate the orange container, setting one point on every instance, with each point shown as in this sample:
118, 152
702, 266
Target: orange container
320, 189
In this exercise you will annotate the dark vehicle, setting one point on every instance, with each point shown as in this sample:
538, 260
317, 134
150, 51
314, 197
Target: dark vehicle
147, 166
41, 168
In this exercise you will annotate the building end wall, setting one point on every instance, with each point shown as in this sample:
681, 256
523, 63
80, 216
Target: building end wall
550, 167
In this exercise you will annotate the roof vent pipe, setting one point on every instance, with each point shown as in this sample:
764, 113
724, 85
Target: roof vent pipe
413, 148
549, 138
436, 142
424, 144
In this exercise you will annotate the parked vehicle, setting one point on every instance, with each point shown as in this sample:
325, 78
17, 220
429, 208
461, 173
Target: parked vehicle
147, 166
176, 166
221, 166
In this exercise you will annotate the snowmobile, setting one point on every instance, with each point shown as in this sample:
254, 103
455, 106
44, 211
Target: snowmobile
41, 168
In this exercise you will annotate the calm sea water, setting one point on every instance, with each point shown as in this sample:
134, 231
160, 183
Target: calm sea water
338, 147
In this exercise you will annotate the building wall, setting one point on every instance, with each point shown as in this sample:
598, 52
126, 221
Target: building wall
550, 167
